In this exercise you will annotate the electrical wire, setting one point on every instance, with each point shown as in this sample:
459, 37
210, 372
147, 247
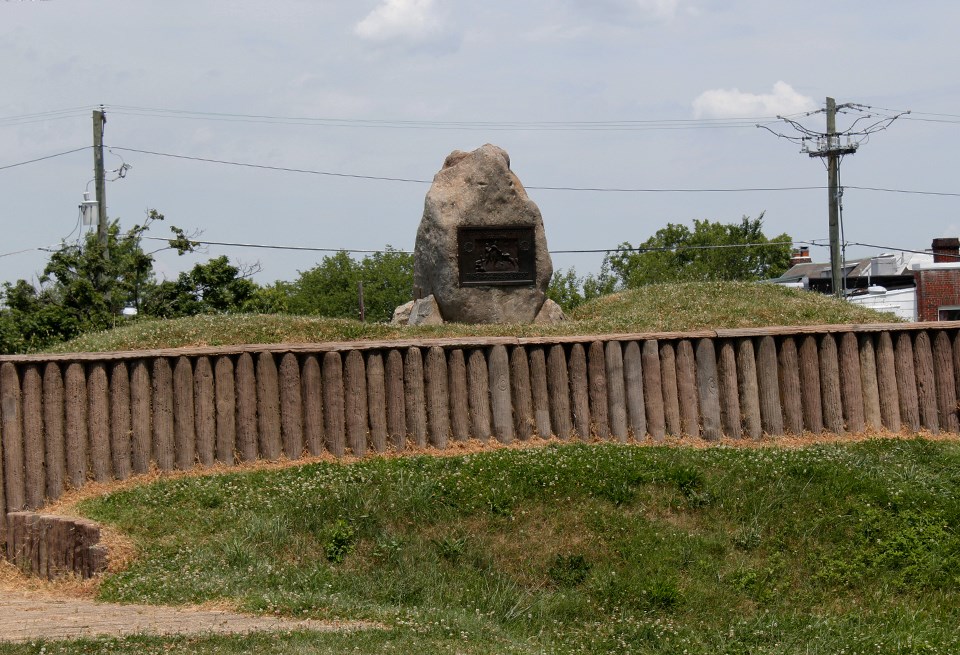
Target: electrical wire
553, 252
57, 114
32, 161
656, 124
286, 169
283, 169
910, 191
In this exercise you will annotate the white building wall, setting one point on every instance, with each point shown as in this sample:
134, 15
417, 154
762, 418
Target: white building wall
902, 302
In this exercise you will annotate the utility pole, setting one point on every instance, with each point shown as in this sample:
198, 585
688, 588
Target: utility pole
831, 149
833, 198
100, 178
827, 145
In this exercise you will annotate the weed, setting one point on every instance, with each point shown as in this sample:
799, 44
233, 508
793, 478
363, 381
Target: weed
340, 542
451, 548
569, 570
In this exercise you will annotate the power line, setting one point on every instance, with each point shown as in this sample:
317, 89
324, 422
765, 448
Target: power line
283, 169
638, 249
286, 169
654, 124
915, 192
31, 161
56, 114
275, 247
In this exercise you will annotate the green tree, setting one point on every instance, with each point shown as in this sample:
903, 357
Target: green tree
214, 287
83, 287
710, 251
570, 291
332, 287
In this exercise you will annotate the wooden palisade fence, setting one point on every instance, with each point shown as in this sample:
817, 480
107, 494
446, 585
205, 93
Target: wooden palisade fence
67, 419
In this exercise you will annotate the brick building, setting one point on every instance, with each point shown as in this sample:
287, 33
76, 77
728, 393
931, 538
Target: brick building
938, 283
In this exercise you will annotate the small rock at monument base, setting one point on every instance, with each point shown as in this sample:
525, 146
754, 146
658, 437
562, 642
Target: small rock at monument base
401, 315
550, 313
425, 312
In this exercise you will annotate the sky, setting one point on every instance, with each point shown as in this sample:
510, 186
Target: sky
639, 109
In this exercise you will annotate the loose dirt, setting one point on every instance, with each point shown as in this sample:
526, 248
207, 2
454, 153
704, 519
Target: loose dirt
26, 616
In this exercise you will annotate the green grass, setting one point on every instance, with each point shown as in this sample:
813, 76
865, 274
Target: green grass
655, 308
566, 549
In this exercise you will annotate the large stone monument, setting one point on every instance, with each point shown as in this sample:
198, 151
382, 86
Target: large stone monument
481, 252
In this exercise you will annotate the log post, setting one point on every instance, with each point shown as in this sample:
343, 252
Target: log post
459, 396
830, 385
558, 384
163, 453
868, 381
478, 386
687, 389
121, 428
768, 386
522, 393
500, 405
729, 393
810, 385
539, 388
34, 477
790, 386
377, 400
633, 382
334, 421
225, 390
55, 459
141, 417
396, 403
926, 386
851, 385
748, 388
246, 386
415, 398
355, 402
98, 419
291, 406
946, 386
887, 383
616, 393
597, 391
653, 390
906, 378
579, 392
438, 397
205, 403
184, 417
268, 406
707, 389
668, 383
311, 383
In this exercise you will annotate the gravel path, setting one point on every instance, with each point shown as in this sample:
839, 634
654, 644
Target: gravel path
25, 616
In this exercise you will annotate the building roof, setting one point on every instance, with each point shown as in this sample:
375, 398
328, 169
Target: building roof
883, 265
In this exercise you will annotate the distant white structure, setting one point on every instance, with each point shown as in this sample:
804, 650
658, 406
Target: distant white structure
901, 302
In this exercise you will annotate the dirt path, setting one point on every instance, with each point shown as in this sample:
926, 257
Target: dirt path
25, 616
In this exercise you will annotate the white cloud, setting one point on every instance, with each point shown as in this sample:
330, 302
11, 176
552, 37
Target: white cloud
415, 20
658, 8
733, 103
644, 10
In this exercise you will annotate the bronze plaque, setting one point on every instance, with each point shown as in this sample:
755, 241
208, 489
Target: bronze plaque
502, 256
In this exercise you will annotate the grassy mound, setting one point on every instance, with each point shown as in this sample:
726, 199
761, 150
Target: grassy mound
571, 549
655, 308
